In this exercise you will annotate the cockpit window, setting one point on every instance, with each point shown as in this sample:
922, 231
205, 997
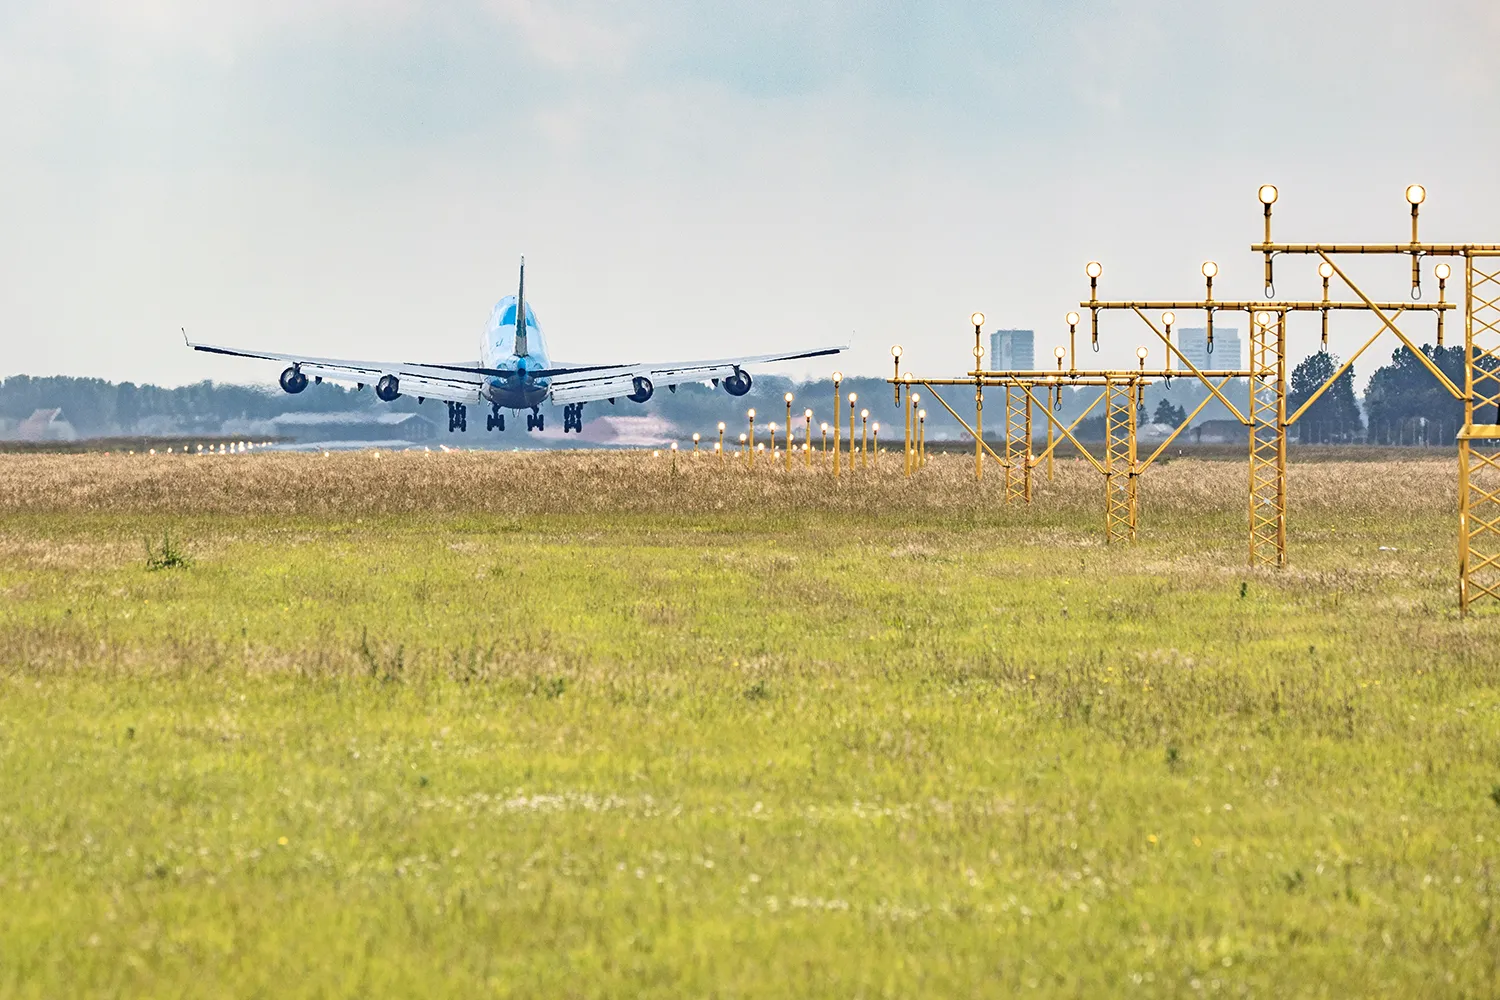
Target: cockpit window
509, 317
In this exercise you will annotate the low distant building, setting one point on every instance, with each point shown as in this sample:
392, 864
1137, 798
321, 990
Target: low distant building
1219, 431
360, 426
1013, 350
45, 425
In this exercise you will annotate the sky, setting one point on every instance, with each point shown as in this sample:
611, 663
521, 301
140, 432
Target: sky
690, 180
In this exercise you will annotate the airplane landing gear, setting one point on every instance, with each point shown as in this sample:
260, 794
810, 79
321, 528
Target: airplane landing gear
573, 418
458, 417
496, 420
535, 420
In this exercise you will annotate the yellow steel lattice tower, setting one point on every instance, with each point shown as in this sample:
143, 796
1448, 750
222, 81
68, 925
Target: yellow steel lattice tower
1017, 445
1268, 439
1119, 459
1479, 441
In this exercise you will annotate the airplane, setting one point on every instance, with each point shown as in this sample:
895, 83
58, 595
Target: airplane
515, 373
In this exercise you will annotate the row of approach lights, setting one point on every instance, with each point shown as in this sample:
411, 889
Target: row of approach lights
748, 439
1415, 195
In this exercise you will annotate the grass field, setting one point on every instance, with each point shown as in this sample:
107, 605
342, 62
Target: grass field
583, 725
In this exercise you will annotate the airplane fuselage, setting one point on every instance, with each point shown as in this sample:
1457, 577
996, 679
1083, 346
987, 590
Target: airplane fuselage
498, 350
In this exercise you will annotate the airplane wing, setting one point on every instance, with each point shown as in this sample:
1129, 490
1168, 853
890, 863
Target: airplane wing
459, 382
580, 385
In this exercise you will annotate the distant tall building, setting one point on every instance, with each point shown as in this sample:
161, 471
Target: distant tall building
1193, 343
1013, 350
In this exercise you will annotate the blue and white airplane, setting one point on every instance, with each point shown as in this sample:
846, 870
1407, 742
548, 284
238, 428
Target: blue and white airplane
514, 372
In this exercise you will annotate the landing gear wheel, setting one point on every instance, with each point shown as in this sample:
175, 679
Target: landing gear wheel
458, 417
496, 420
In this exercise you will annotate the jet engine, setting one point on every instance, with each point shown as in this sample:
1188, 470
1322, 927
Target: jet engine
643, 389
737, 384
292, 380
388, 388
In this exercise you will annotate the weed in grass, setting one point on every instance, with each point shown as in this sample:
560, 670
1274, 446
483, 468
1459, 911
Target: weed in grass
168, 556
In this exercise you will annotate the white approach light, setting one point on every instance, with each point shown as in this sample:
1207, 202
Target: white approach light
1268, 194
1072, 319
1094, 269
1442, 271
1325, 270
1210, 269
1416, 194
977, 319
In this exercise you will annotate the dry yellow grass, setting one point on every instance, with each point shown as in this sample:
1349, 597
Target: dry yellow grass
523, 483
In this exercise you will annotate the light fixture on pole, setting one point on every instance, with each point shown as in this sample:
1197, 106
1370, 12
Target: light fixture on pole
1268, 195
1415, 195
1443, 271
750, 413
838, 377
788, 398
896, 359
853, 396
1141, 352
864, 425
1072, 319
1325, 271
1093, 269
1167, 319
1060, 352
1210, 270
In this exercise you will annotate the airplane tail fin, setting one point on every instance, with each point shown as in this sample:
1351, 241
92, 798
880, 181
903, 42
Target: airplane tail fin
521, 313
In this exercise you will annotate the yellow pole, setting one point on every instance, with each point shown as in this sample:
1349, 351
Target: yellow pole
864, 437
906, 434
1052, 393
978, 429
853, 396
978, 320
695, 445
875, 443
922, 438
751, 414
772, 428
789, 432
721, 442
837, 405
807, 440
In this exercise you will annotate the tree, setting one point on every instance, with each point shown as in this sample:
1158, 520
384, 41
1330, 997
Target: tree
1407, 404
1166, 413
1335, 416
127, 406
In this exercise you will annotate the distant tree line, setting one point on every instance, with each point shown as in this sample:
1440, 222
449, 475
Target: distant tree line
98, 408
1404, 404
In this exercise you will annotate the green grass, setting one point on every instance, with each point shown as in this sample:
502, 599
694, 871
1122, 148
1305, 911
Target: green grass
726, 738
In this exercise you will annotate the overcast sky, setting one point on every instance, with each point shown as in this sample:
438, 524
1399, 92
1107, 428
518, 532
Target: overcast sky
358, 179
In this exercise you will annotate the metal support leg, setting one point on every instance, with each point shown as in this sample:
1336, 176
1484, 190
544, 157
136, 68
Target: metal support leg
1267, 439
1479, 440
